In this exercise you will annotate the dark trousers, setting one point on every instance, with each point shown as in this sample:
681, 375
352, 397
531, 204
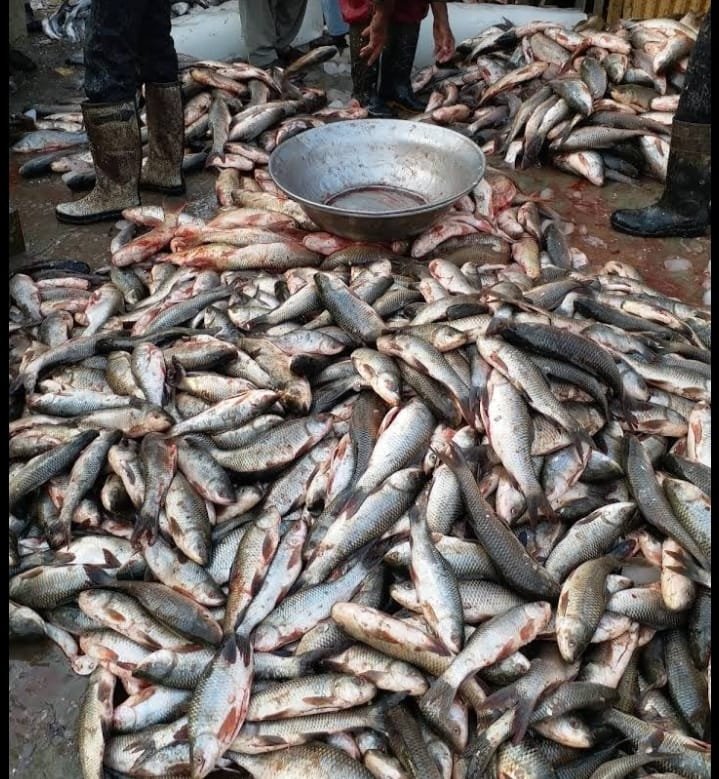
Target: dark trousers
695, 101
127, 43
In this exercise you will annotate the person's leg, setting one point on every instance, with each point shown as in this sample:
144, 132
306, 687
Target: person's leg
163, 102
288, 20
110, 112
364, 76
683, 209
259, 30
111, 51
336, 25
398, 56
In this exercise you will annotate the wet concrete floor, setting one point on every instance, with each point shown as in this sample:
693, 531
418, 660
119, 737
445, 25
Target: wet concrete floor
44, 692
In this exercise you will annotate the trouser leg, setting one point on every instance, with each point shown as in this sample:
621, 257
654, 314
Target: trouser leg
112, 42
695, 101
259, 31
336, 25
288, 20
365, 77
158, 59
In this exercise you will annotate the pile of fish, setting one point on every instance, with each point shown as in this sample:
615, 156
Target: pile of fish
305, 506
66, 20
235, 114
592, 103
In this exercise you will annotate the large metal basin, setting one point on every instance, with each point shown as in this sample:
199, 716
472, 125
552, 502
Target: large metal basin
376, 179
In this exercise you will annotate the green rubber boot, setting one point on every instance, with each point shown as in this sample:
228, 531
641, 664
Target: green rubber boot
113, 131
166, 139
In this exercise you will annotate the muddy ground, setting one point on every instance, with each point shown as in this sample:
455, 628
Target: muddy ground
44, 692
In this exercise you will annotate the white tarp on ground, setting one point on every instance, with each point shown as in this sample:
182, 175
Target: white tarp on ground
216, 32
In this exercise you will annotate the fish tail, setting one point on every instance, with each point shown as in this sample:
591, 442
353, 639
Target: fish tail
437, 701
686, 566
145, 527
175, 373
628, 412
495, 326
212, 156
451, 456
581, 437
523, 713
538, 505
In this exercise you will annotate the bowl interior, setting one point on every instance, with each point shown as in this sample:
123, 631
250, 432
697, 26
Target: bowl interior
377, 166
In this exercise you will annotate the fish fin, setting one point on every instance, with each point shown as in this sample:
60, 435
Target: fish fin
523, 713
110, 560
172, 211
98, 576
501, 699
437, 701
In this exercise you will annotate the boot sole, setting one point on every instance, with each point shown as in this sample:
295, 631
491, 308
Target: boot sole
89, 218
179, 190
697, 232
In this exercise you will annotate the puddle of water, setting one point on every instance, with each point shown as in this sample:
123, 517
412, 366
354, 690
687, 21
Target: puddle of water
376, 198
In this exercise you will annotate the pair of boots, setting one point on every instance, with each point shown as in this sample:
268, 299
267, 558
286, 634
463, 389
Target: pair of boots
683, 209
113, 132
392, 71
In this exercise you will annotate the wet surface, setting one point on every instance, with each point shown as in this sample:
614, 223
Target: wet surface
376, 199
44, 702
44, 692
674, 266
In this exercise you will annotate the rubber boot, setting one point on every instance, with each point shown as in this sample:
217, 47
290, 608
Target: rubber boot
166, 139
397, 61
113, 132
364, 78
683, 209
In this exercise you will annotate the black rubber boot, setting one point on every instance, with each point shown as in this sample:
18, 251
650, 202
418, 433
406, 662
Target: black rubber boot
397, 61
166, 139
364, 78
683, 209
340, 41
113, 131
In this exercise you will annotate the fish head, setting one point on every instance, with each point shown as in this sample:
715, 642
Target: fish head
352, 690
567, 638
158, 665
205, 750
266, 638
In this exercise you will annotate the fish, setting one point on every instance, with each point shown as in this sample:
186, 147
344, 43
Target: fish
344, 519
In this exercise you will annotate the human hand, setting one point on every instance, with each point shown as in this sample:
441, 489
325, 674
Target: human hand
444, 45
376, 35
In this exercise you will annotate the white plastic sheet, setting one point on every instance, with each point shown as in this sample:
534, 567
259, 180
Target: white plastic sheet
216, 32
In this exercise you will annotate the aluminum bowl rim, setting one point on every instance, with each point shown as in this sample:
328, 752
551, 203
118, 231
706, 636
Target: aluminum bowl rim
414, 211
